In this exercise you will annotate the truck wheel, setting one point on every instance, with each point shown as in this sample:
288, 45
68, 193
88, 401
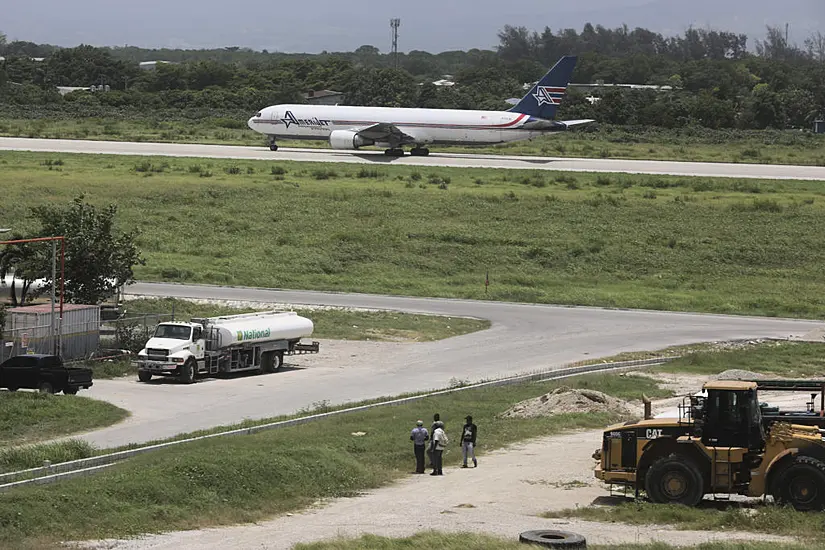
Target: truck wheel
187, 372
549, 538
277, 361
70, 391
144, 375
674, 479
802, 484
272, 361
45, 387
11, 388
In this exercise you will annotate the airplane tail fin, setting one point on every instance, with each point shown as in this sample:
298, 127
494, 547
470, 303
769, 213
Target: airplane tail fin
545, 97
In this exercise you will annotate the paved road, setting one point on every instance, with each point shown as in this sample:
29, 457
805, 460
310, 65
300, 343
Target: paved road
523, 337
759, 171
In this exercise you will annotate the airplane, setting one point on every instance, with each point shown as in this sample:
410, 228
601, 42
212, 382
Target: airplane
351, 127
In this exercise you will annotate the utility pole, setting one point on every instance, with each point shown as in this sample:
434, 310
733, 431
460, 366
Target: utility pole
394, 23
786, 34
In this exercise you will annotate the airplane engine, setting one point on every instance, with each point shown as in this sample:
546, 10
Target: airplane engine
347, 139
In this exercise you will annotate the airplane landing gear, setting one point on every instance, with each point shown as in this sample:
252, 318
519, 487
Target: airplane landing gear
419, 152
272, 145
398, 152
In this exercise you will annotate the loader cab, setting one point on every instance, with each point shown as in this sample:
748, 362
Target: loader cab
731, 416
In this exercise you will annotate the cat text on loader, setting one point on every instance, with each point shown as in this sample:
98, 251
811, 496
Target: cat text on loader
719, 445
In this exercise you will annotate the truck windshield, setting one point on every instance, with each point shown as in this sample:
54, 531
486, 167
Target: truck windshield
173, 331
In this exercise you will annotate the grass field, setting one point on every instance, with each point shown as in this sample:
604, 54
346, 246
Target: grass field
26, 417
710, 516
471, 541
673, 243
784, 359
242, 479
694, 144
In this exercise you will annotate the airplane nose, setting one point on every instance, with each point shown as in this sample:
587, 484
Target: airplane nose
251, 123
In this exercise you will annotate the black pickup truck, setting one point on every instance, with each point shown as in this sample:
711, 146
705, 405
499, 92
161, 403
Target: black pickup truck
45, 373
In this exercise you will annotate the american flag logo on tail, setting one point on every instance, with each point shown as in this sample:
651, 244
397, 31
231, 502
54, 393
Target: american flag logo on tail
549, 94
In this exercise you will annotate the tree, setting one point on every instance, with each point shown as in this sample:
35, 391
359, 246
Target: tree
775, 46
815, 46
98, 258
28, 262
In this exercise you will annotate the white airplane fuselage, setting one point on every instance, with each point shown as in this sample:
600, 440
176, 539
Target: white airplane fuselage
426, 126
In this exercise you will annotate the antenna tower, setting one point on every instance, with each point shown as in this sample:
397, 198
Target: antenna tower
394, 23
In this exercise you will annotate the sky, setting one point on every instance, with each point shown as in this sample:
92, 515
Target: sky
344, 25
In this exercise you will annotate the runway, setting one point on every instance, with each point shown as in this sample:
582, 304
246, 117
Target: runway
523, 337
457, 160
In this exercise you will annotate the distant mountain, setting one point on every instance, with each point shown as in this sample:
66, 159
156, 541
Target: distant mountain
333, 25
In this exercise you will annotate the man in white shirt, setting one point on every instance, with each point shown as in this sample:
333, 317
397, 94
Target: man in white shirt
440, 442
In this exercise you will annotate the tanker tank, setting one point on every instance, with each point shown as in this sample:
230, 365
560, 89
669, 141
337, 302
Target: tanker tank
261, 327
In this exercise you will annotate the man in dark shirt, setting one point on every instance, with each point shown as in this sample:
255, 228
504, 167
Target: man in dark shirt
468, 441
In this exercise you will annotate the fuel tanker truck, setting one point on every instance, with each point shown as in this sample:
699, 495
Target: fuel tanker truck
217, 345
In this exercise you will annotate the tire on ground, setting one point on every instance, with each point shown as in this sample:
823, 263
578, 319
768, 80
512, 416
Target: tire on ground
674, 479
549, 538
70, 391
802, 484
45, 387
144, 375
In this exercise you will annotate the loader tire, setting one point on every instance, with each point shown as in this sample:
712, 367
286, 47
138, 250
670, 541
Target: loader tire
553, 539
674, 479
802, 484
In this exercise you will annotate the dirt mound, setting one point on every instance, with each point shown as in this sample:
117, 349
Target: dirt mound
568, 400
738, 374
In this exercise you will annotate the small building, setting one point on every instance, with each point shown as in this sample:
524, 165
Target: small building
324, 97
63, 90
151, 65
29, 330
819, 126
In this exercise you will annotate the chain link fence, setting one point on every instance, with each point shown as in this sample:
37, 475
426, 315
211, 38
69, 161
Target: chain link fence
77, 341
129, 333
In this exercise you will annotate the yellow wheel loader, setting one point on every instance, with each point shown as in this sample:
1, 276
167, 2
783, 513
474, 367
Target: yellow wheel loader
723, 442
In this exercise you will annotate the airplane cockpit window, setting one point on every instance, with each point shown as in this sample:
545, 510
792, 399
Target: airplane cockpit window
259, 115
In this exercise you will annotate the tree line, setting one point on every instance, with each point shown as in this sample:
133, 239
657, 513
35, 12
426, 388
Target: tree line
716, 80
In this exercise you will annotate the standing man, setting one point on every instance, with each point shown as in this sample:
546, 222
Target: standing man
419, 436
440, 442
436, 418
468, 441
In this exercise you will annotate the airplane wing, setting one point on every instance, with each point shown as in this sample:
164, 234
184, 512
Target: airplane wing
386, 133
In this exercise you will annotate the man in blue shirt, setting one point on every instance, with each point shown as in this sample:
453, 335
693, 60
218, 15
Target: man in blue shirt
419, 436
